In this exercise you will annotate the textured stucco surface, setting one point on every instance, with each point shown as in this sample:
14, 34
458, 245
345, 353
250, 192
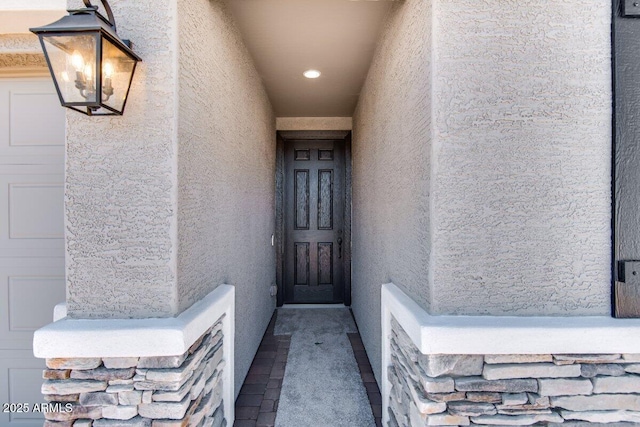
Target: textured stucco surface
20, 51
391, 171
226, 173
521, 175
500, 205
22, 61
176, 197
19, 43
120, 197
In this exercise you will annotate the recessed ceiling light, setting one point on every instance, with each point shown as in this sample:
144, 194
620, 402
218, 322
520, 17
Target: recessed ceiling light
311, 74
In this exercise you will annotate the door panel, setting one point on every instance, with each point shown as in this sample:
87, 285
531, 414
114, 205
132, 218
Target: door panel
325, 199
325, 264
314, 216
302, 199
32, 282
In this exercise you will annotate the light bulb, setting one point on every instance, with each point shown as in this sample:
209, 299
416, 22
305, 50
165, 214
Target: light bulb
107, 69
88, 72
77, 61
311, 74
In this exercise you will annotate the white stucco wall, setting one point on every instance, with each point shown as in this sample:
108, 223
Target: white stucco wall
121, 192
226, 173
175, 197
391, 170
521, 163
501, 204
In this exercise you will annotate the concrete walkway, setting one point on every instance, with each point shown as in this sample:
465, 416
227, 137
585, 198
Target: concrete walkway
322, 385
316, 393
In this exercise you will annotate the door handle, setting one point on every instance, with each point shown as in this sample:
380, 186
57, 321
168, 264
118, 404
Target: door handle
339, 247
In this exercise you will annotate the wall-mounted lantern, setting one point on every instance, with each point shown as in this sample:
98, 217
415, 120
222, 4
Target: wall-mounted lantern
91, 66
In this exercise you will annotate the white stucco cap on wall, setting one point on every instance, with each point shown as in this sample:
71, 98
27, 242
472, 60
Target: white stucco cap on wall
134, 337
509, 334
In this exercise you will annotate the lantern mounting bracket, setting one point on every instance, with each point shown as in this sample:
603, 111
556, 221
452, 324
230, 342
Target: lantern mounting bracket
110, 19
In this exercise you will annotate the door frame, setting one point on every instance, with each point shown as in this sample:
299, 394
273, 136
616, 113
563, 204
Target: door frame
282, 137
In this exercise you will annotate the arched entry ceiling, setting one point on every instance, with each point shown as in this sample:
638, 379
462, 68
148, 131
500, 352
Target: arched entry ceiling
287, 37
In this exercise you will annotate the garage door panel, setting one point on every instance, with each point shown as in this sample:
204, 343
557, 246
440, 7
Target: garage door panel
32, 122
29, 290
31, 213
24, 108
31, 301
32, 270
23, 385
21, 379
36, 211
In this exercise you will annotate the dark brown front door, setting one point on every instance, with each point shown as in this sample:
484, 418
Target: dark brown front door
314, 220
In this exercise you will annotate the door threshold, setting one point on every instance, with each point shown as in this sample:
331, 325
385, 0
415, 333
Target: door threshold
313, 306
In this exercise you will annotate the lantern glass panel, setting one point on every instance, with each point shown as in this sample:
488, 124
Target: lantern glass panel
117, 71
73, 63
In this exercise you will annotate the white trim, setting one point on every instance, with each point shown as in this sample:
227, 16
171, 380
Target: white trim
314, 123
60, 311
75, 338
31, 5
19, 21
500, 334
24, 72
285, 306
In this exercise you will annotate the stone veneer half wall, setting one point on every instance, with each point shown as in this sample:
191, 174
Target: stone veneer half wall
165, 391
509, 389
175, 372
491, 370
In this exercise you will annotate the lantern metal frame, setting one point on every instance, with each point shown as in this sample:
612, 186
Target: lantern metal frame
88, 21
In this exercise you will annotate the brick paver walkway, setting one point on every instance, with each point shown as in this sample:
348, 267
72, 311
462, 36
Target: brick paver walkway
370, 384
257, 403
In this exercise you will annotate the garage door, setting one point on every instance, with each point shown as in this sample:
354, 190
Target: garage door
32, 281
